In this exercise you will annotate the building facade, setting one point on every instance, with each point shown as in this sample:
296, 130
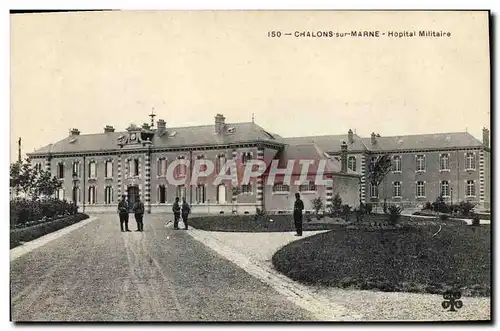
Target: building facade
97, 169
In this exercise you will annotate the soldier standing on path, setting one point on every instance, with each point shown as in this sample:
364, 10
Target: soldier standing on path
186, 209
298, 207
123, 213
176, 208
139, 214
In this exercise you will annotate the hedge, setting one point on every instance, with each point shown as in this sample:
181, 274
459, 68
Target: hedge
25, 212
32, 232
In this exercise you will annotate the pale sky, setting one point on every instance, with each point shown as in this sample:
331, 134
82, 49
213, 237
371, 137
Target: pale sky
89, 70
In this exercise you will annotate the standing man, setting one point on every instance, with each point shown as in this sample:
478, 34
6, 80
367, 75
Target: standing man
298, 207
176, 208
123, 213
186, 209
139, 214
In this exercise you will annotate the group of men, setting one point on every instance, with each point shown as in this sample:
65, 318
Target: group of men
138, 210
184, 210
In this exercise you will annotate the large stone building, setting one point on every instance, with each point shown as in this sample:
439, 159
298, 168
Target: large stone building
96, 169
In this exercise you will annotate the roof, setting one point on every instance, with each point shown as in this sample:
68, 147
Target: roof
311, 152
423, 141
328, 143
175, 137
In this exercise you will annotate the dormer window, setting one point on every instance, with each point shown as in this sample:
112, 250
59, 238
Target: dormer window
245, 157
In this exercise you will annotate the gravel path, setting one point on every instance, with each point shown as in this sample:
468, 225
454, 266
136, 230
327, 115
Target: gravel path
253, 252
97, 273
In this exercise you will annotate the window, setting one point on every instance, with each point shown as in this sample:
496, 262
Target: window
181, 191
108, 169
420, 189
470, 188
76, 168
162, 167
397, 190
136, 167
38, 166
203, 166
221, 193
307, 187
60, 170
92, 169
221, 161
420, 163
351, 163
470, 161
245, 157
373, 161
445, 188
92, 195
444, 162
281, 188
246, 188
180, 169
396, 165
60, 194
108, 195
162, 194
373, 191
200, 194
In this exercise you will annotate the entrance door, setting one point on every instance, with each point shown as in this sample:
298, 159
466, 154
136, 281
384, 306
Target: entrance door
133, 194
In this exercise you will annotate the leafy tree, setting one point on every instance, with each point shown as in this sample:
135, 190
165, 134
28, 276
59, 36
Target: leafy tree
26, 179
317, 204
46, 185
336, 205
378, 170
22, 177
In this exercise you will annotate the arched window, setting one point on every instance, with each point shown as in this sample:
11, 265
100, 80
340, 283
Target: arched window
221, 193
108, 195
92, 195
351, 163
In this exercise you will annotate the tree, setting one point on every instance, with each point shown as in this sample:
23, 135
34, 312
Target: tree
378, 170
317, 204
45, 184
336, 205
26, 179
22, 177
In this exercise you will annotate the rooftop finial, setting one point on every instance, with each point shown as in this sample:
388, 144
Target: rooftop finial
152, 115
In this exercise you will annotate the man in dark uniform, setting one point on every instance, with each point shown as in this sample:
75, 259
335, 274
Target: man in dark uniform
123, 213
176, 208
139, 214
298, 207
186, 209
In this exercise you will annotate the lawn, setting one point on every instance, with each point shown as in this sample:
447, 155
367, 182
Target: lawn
408, 259
248, 223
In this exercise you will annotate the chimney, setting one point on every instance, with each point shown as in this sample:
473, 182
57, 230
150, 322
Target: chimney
374, 138
343, 157
161, 126
220, 122
486, 137
109, 128
350, 136
74, 132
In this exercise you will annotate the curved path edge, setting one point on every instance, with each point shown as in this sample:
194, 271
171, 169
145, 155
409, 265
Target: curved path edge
29, 246
321, 308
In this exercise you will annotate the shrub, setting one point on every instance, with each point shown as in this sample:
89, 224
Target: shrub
444, 217
317, 204
385, 206
336, 207
359, 214
466, 207
394, 213
427, 206
346, 209
368, 208
440, 205
475, 220
25, 212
